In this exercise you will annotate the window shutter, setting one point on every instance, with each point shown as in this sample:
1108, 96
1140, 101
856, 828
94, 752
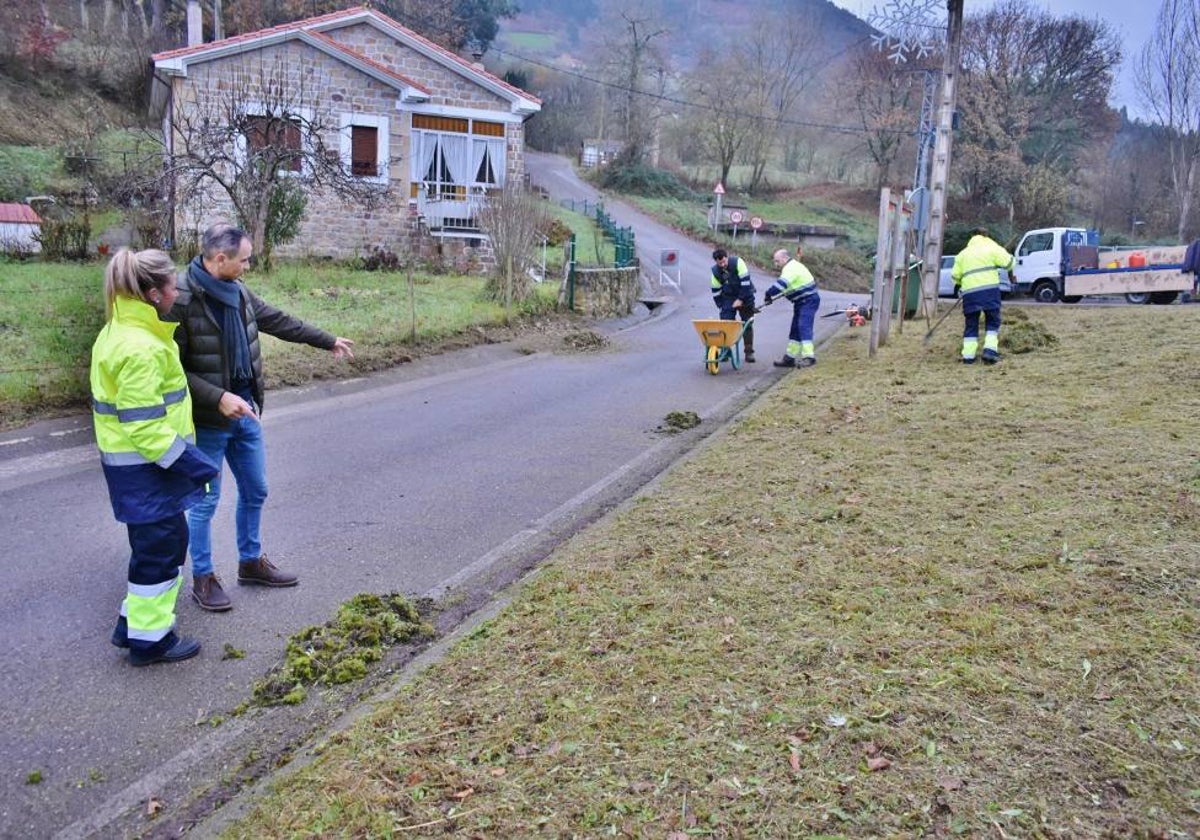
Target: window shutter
364, 145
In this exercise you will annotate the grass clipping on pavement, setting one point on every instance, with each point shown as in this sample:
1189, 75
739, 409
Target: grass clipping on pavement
898, 597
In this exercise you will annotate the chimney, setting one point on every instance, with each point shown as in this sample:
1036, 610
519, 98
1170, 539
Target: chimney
195, 23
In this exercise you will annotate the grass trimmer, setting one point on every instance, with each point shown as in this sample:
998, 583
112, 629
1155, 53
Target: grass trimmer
933, 329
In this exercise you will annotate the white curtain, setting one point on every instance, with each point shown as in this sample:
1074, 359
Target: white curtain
494, 148
424, 146
457, 154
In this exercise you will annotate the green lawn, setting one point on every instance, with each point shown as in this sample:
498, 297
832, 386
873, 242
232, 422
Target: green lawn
50, 314
899, 597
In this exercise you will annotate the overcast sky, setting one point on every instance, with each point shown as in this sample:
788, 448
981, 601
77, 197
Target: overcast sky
1133, 21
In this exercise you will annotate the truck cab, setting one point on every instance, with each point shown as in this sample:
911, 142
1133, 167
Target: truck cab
1038, 260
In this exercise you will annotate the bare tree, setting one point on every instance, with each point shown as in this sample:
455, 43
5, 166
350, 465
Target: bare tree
1031, 84
888, 107
254, 159
1168, 80
514, 221
781, 62
633, 64
722, 124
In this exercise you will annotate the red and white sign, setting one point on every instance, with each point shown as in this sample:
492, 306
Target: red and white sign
756, 222
719, 189
736, 216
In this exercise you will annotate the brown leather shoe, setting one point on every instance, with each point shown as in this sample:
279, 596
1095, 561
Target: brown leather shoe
262, 572
207, 592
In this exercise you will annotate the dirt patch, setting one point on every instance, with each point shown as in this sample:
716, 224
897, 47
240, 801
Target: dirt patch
858, 199
584, 341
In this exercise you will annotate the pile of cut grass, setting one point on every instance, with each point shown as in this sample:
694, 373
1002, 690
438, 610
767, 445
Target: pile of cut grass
899, 597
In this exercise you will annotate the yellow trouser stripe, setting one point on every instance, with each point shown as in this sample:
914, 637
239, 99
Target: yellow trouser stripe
150, 609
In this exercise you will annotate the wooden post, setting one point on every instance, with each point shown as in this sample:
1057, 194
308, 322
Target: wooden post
412, 305
508, 288
881, 248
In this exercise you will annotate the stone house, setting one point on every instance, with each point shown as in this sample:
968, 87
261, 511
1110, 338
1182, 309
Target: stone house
433, 132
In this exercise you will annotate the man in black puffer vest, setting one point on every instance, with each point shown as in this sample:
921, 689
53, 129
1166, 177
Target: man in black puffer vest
220, 320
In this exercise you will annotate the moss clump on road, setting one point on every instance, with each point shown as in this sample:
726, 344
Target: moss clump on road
340, 650
931, 600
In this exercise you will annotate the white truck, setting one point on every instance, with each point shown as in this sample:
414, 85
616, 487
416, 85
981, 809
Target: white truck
1064, 263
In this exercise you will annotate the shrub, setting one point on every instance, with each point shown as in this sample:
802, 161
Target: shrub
64, 239
557, 232
380, 259
639, 179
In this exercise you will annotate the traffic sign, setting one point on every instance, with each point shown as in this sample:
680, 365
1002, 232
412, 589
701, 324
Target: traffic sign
755, 222
736, 216
719, 189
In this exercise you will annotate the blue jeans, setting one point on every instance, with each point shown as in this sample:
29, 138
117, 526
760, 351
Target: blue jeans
241, 444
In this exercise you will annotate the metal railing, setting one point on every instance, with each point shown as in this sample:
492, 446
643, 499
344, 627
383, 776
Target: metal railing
452, 211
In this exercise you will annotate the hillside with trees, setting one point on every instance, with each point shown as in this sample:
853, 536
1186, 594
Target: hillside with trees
772, 97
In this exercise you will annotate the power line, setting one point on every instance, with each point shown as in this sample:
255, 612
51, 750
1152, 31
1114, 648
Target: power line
843, 129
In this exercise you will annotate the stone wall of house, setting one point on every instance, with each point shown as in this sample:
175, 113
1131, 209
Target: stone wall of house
446, 86
306, 78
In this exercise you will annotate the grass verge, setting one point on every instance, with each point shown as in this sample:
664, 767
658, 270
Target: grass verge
897, 598
50, 315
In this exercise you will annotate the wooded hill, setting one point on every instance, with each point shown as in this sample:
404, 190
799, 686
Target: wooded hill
766, 94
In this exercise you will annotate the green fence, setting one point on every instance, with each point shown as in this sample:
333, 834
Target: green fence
622, 238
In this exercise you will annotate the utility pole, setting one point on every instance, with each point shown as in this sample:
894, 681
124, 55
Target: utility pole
941, 159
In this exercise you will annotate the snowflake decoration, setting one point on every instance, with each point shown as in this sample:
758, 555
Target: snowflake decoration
908, 28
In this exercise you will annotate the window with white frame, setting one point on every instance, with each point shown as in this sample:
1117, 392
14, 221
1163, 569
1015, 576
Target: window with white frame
451, 155
364, 146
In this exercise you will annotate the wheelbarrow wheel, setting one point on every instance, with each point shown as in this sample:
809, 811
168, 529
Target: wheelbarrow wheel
713, 363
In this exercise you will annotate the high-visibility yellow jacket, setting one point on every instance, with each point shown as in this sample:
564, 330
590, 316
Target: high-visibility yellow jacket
978, 265
142, 415
795, 282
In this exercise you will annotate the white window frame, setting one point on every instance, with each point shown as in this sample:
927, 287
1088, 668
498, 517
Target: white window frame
346, 121
258, 109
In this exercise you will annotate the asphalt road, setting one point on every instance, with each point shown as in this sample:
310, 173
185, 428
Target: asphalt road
414, 480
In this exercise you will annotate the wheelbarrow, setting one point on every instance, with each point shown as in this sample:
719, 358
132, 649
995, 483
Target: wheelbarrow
722, 341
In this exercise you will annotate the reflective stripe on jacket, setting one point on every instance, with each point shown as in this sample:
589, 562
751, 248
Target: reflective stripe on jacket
795, 282
142, 415
732, 283
978, 265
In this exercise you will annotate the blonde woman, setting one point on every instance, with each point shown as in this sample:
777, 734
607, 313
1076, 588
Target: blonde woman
142, 415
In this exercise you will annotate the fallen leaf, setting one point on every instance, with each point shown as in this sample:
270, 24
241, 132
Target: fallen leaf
462, 794
153, 806
871, 748
878, 763
795, 761
950, 783
642, 787
414, 778
498, 771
